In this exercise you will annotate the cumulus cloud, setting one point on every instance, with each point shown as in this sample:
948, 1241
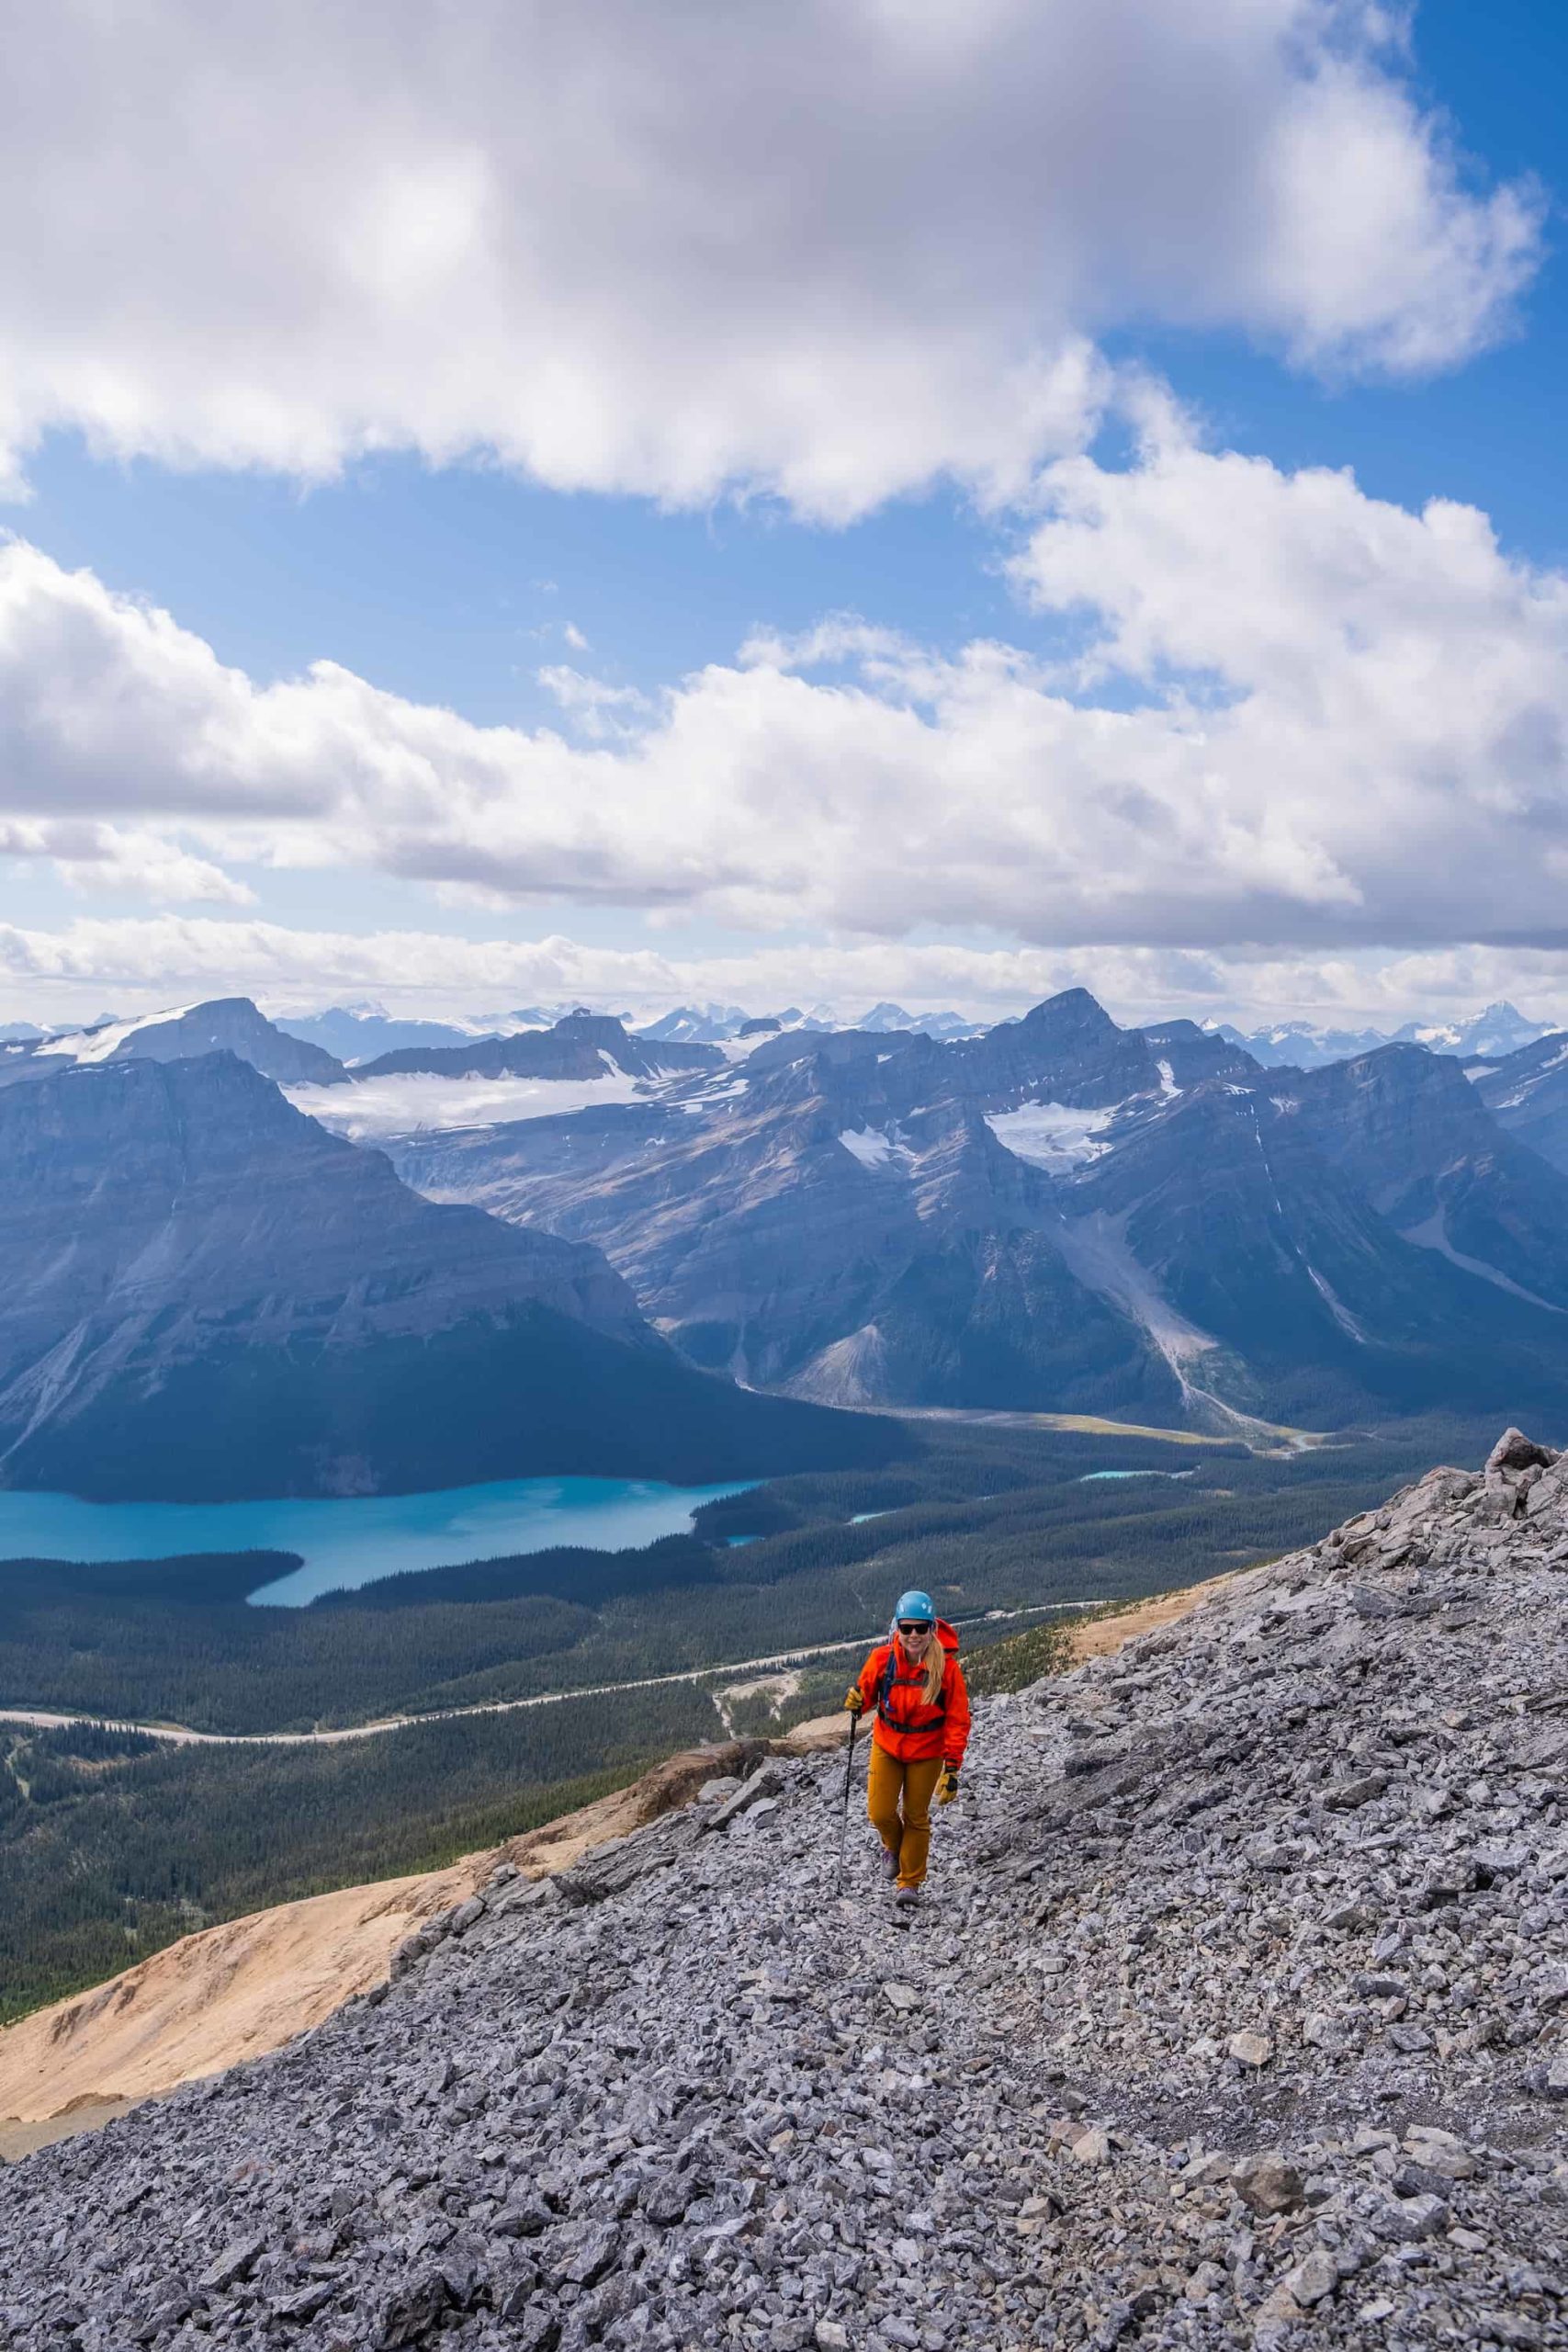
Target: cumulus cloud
830, 250
111, 857
1302, 718
1390, 687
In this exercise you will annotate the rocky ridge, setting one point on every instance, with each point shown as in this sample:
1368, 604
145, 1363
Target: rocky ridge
1527, 1093
230, 1024
580, 1044
1235, 2017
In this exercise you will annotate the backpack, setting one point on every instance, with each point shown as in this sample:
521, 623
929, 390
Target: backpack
948, 1636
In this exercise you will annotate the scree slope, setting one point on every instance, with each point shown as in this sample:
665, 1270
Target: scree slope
1236, 2018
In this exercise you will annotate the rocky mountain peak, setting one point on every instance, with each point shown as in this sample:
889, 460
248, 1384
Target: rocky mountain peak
593, 1029
224, 1024
1072, 1012
1237, 2010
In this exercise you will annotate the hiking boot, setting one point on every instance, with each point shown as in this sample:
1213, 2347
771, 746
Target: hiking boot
890, 1863
906, 1894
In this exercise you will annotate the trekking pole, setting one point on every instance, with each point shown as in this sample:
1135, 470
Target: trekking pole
844, 1815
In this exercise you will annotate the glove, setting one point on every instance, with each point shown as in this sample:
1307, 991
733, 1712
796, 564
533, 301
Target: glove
948, 1789
854, 1700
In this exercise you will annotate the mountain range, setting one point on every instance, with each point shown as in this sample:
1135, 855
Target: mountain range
1500, 1029
1062, 1213
209, 1296
358, 1034
713, 1023
582, 1046
606, 1243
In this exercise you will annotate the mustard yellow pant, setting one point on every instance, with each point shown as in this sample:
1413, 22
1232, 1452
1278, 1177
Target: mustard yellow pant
898, 1799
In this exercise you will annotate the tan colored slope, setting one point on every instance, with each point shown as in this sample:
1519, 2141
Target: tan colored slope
225, 1994
233, 1992
1099, 1636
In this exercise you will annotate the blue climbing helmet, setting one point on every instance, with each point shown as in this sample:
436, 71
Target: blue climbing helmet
915, 1606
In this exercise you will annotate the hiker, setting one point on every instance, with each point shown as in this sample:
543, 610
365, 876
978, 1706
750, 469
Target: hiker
915, 1684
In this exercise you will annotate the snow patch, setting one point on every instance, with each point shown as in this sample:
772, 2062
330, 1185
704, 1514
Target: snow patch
740, 1050
1527, 1086
98, 1044
720, 1088
1168, 1084
1052, 1135
423, 1102
877, 1146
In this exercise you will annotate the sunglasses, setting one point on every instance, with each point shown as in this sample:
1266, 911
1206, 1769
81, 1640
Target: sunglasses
915, 1625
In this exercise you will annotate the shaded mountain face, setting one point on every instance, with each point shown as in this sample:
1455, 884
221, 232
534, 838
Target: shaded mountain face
1411, 1131
1063, 1215
583, 1045
1527, 1093
1186, 1054
1262, 1271
229, 1024
209, 1296
817, 1230
841, 1215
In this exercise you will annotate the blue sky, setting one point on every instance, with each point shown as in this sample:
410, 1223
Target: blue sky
450, 578
454, 584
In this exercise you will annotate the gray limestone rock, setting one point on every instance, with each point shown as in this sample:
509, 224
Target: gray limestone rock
1266, 2183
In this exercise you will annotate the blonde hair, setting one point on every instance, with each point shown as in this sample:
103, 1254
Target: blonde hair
936, 1668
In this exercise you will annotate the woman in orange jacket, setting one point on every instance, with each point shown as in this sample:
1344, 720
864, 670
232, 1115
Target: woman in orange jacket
915, 1685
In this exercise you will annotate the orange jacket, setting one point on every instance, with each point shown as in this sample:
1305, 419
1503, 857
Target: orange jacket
904, 1725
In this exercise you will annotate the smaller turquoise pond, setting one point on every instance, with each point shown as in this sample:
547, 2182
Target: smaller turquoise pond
1090, 1475
354, 1541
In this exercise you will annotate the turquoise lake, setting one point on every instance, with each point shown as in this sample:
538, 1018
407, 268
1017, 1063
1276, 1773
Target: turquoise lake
1090, 1475
354, 1541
